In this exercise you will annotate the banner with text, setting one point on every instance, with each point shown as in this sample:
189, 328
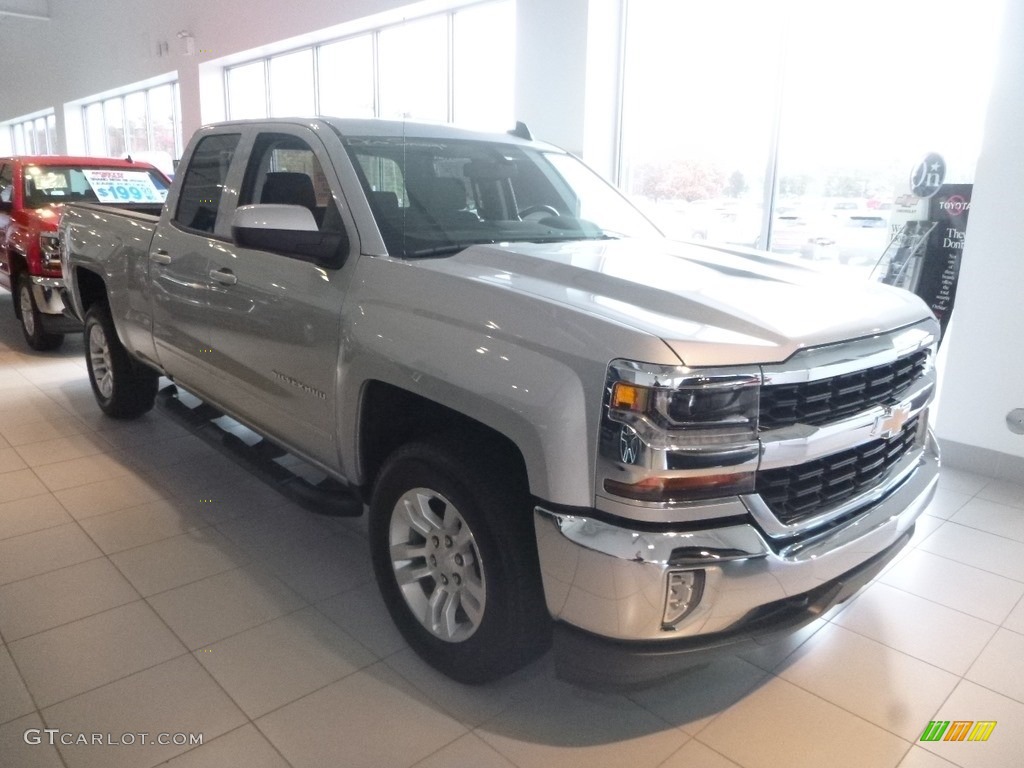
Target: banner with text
948, 208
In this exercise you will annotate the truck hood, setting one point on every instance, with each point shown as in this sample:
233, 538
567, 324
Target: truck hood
711, 306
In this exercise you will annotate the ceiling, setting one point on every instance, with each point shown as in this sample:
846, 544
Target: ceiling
38, 10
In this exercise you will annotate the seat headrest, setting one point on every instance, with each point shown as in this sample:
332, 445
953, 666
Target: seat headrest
386, 203
289, 188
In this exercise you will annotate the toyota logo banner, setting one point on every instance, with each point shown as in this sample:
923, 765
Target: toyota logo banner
948, 208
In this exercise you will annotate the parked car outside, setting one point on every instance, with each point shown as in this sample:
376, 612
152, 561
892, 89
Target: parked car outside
810, 234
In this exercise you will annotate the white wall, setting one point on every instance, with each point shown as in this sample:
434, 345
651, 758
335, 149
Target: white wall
984, 369
551, 78
568, 75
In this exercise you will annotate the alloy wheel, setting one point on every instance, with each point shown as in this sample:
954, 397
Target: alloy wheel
99, 358
437, 565
28, 317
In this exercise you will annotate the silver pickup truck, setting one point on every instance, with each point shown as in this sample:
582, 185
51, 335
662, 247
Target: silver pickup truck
566, 427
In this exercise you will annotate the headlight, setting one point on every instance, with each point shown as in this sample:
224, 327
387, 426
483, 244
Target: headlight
699, 411
49, 249
677, 434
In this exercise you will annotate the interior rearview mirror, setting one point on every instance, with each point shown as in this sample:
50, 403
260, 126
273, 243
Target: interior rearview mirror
489, 170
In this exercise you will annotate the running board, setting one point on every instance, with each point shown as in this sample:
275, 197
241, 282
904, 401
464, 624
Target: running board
325, 497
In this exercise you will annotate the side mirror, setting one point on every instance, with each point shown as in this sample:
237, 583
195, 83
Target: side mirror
290, 230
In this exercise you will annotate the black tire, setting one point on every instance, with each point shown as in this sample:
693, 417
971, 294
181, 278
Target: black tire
491, 530
31, 318
124, 388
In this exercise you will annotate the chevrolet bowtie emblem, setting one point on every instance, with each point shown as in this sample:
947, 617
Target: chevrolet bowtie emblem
890, 423
629, 444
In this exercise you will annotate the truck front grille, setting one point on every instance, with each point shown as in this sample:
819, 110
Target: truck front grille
827, 400
796, 493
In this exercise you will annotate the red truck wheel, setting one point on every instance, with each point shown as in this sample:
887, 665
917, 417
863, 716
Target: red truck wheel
31, 319
123, 388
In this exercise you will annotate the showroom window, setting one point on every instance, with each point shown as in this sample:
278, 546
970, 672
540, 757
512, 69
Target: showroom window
345, 71
482, 94
423, 69
413, 65
247, 91
145, 124
697, 124
291, 84
807, 110
30, 136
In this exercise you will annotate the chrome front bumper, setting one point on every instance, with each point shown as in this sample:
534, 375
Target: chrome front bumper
48, 292
610, 580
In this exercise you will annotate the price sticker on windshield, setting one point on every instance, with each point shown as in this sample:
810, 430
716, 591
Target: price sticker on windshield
116, 186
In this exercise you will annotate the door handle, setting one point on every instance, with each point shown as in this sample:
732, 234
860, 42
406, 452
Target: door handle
160, 257
223, 276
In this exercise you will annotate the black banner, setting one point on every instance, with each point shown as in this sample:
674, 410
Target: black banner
936, 284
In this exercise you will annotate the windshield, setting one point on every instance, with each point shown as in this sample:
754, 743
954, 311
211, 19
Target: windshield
46, 185
437, 196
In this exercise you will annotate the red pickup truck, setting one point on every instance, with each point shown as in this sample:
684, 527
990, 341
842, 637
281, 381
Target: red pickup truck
32, 191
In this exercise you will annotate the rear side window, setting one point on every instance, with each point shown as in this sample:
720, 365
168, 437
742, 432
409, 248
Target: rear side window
203, 185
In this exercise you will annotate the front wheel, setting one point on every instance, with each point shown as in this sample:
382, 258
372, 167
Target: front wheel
455, 559
31, 319
124, 389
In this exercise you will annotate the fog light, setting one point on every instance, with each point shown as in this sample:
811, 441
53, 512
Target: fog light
683, 591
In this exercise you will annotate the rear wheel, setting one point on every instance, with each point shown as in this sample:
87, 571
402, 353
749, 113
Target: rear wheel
124, 389
31, 319
455, 559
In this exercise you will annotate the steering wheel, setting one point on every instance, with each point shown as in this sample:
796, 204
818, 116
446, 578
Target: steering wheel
546, 210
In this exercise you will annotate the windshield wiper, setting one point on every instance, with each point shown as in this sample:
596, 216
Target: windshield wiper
439, 250
453, 248
447, 249
565, 238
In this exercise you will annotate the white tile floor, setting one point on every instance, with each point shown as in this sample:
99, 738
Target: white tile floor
147, 584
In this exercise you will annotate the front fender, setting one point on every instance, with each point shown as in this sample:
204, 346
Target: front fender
532, 370
543, 409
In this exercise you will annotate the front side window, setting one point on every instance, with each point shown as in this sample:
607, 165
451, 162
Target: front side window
433, 196
284, 169
203, 186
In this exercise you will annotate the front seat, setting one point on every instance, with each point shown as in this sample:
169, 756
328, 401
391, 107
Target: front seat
290, 188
